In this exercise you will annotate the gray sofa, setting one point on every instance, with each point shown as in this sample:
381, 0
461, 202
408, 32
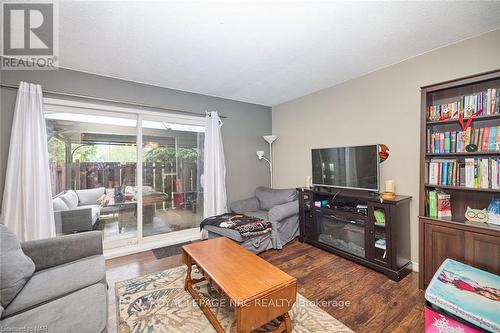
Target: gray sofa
55, 285
280, 207
78, 210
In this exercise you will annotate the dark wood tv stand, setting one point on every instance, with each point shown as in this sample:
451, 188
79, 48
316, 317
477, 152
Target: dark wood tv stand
340, 228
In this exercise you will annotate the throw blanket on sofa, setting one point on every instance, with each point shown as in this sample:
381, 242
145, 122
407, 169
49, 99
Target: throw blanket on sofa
247, 226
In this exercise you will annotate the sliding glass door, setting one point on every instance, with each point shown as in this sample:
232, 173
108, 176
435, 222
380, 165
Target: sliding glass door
93, 165
134, 176
172, 166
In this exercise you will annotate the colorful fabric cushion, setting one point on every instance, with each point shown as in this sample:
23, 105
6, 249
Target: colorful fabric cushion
247, 226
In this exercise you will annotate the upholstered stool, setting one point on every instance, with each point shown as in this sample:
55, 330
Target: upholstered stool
461, 298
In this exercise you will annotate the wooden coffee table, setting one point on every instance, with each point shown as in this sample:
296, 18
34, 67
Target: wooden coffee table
259, 291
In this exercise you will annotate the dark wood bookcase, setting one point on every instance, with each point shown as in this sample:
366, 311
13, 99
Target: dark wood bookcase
354, 234
476, 244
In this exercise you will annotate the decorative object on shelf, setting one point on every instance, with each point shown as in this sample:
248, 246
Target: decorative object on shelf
383, 152
469, 121
260, 154
308, 182
388, 196
389, 186
494, 211
470, 148
476, 215
389, 192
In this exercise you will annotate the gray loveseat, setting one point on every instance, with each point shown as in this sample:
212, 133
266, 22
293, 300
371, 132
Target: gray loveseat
78, 210
55, 285
280, 207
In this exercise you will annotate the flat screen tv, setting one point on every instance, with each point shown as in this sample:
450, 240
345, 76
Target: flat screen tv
346, 167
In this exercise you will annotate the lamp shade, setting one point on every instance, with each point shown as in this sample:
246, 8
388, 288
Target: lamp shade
260, 153
270, 138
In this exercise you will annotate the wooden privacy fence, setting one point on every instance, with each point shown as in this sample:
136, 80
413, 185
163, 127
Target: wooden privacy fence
162, 177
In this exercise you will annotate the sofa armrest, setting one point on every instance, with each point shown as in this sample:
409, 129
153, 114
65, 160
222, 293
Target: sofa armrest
281, 212
245, 205
60, 250
73, 220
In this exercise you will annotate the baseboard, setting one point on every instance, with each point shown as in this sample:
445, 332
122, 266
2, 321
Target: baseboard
147, 246
414, 266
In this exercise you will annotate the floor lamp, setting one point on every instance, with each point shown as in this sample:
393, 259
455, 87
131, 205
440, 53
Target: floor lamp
260, 154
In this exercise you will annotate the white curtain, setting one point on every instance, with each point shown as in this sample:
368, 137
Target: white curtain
214, 179
27, 200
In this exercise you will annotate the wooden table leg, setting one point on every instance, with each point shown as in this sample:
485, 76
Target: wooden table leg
188, 282
288, 322
285, 324
188, 285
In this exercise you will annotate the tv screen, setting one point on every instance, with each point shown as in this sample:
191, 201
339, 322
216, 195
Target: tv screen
346, 167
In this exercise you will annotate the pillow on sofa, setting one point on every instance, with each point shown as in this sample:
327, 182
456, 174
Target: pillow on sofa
90, 196
16, 268
269, 197
59, 205
70, 199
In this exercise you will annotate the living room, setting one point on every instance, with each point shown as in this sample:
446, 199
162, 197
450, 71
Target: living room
239, 166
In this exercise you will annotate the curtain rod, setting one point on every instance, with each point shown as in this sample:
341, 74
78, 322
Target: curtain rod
139, 105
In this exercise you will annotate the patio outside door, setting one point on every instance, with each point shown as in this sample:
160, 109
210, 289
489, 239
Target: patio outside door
172, 196
134, 176
93, 165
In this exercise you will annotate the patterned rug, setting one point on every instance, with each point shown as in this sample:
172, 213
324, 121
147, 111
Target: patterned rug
158, 303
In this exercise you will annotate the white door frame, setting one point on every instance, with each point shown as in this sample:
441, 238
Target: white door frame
140, 243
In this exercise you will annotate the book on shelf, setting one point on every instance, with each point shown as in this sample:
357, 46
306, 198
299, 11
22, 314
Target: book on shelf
485, 138
439, 204
381, 244
432, 210
443, 205
444, 172
472, 172
483, 104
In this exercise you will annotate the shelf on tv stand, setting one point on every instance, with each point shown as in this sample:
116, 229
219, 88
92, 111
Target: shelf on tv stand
394, 261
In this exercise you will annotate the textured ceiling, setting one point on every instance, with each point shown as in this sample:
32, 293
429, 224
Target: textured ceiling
259, 52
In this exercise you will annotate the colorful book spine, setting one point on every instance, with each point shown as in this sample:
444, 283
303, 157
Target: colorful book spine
433, 204
469, 172
482, 103
492, 141
447, 142
485, 138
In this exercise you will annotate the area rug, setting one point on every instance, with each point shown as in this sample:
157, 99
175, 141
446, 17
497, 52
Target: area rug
158, 303
169, 251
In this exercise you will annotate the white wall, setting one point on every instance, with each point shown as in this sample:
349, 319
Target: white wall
380, 107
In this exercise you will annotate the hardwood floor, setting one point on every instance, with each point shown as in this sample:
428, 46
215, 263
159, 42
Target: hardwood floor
361, 298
